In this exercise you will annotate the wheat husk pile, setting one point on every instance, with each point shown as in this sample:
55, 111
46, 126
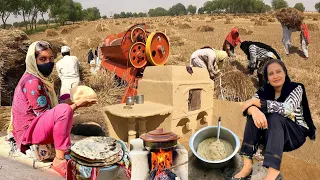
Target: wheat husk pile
13, 48
290, 17
205, 28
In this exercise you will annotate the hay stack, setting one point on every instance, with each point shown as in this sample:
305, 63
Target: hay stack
244, 31
236, 86
101, 27
65, 30
51, 32
201, 18
13, 48
313, 27
185, 26
290, 17
81, 43
260, 23
56, 45
253, 19
205, 28
94, 42
315, 19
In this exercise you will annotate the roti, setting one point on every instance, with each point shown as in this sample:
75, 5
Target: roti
82, 92
97, 148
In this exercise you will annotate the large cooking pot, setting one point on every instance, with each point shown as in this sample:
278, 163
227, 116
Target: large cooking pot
211, 131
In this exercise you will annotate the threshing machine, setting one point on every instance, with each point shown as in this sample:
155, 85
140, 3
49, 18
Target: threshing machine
129, 52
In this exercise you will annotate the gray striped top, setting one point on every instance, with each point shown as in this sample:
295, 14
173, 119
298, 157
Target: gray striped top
291, 107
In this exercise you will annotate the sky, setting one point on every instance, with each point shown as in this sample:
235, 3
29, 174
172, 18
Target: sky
108, 7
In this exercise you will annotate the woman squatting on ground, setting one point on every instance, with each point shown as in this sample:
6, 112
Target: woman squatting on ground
37, 118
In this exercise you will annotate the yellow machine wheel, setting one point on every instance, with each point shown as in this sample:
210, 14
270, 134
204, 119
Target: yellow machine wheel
157, 48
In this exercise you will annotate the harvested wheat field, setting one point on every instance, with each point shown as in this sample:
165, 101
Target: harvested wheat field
187, 34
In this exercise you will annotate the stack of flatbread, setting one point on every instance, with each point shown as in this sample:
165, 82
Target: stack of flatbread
96, 151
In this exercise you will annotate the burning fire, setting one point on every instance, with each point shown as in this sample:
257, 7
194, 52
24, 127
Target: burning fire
161, 160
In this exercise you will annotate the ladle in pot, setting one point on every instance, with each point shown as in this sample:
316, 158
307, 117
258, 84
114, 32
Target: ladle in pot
219, 122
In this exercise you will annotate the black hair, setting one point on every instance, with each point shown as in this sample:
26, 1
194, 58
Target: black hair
65, 54
41, 46
265, 72
206, 47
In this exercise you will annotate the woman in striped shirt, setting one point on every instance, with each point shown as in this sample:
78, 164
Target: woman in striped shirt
279, 112
258, 54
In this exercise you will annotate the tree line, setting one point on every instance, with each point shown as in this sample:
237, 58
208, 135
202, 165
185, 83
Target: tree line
59, 11
217, 6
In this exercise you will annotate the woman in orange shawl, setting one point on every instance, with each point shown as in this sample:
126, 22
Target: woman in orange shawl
231, 41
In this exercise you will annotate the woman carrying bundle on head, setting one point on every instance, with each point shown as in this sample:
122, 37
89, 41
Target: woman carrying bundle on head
258, 54
231, 41
208, 58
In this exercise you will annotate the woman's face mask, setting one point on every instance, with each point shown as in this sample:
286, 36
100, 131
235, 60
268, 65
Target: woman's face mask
45, 62
46, 69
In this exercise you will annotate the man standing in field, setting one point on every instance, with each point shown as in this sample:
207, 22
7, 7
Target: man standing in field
68, 71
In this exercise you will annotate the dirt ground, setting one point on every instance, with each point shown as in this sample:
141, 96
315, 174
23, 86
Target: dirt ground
183, 43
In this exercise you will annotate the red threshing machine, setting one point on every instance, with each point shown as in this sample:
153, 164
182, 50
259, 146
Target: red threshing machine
129, 52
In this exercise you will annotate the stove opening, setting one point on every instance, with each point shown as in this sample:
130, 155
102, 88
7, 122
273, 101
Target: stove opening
160, 162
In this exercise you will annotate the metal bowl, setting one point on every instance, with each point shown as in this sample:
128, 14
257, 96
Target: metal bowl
211, 131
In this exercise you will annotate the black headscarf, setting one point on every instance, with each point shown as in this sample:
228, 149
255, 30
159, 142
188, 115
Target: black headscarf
267, 92
245, 48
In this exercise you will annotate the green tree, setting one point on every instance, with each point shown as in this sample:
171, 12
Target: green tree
178, 9
317, 6
7, 8
60, 11
92, 14
200, 10
159, 11
76, 12
300, 7
192, 9
278, 4
141, 14
24, 9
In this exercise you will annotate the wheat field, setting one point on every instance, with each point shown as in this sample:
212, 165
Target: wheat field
188, 33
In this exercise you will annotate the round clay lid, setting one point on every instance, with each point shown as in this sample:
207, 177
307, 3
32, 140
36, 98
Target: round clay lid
159, 135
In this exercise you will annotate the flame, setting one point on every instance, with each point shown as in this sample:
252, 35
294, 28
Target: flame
161, 160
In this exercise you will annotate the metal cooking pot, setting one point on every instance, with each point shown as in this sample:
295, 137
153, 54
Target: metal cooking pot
159, 139
130, 101
211, 131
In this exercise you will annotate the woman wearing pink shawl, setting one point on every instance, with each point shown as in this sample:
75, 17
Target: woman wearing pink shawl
37, 118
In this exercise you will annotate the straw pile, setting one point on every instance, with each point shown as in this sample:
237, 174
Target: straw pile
260, 23
290, 17
184, 26
205, 28
244, 31
51, 32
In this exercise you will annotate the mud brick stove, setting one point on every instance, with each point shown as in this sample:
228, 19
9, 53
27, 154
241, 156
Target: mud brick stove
157, 155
